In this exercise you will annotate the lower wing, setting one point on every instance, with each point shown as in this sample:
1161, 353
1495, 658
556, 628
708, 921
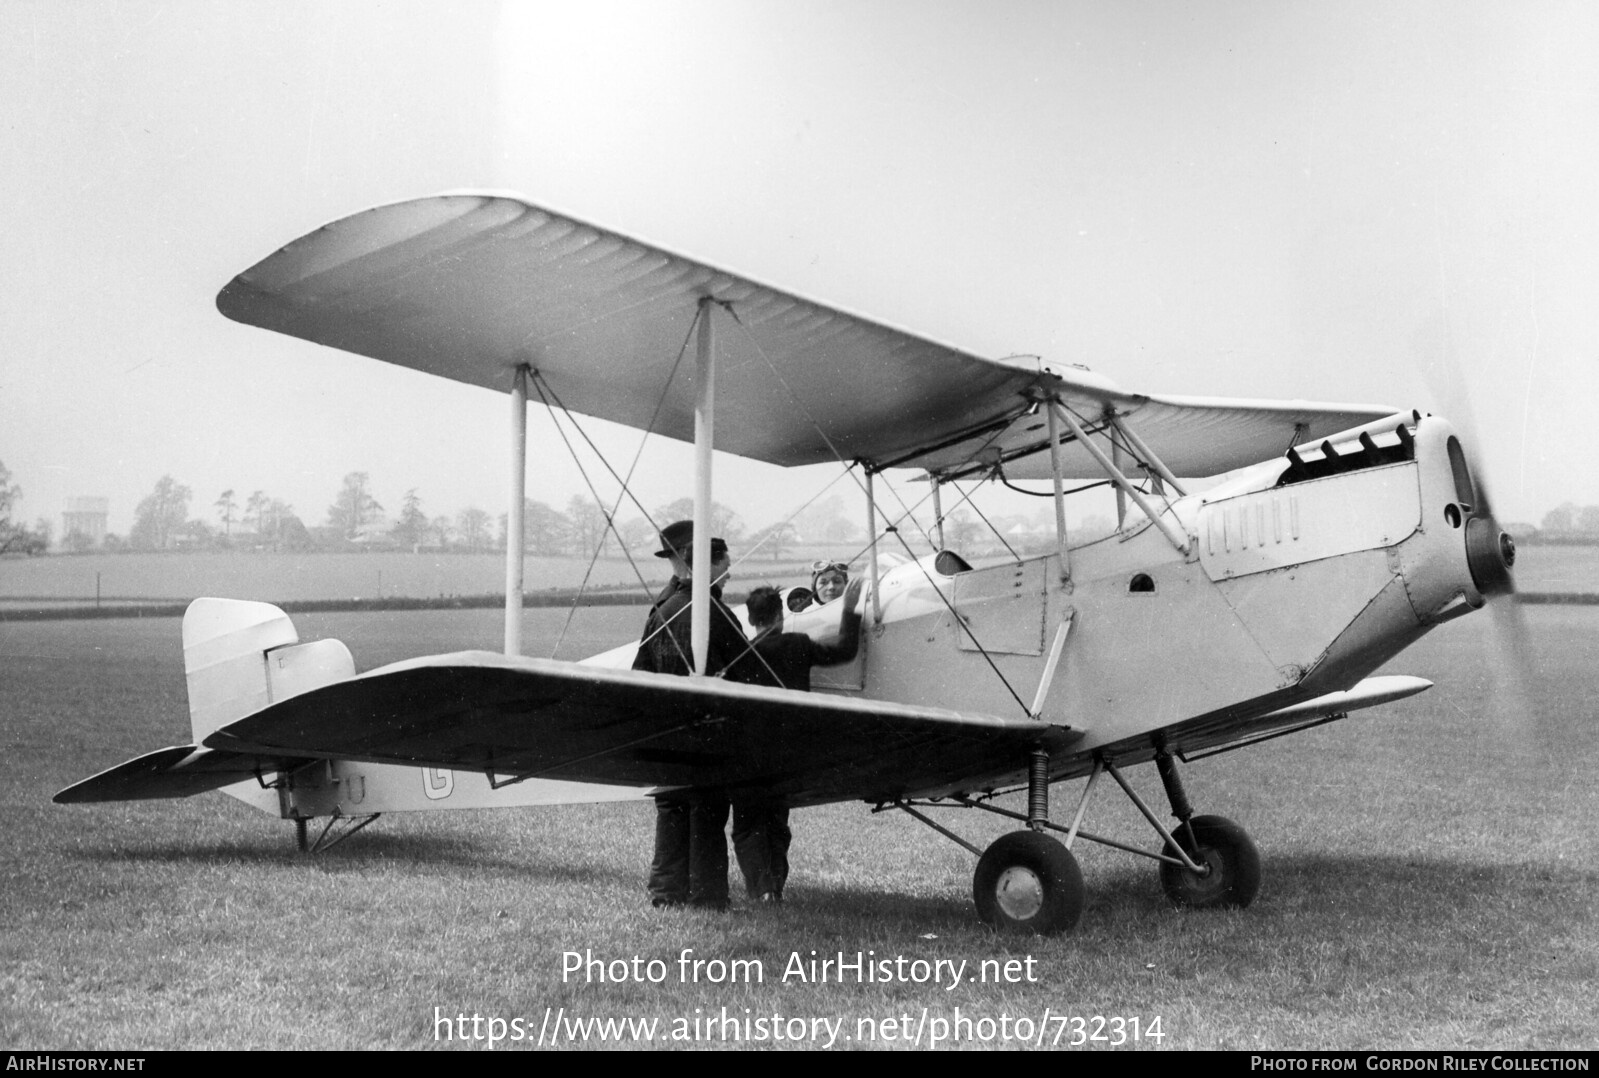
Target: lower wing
519, 718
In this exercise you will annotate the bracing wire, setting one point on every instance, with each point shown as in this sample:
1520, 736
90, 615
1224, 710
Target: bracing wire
961, 626
966, 499
610, 527
547, 393
893, 527
543, 385
908, 511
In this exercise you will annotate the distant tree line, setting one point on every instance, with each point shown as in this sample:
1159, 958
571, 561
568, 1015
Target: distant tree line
356, 520
1570, 523
15, 536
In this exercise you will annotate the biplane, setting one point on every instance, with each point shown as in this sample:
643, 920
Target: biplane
1210, 619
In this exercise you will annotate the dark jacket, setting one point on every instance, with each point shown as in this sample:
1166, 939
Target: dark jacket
667, 644
784, 660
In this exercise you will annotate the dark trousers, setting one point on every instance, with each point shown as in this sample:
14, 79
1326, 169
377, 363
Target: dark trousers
761, 839
690, 862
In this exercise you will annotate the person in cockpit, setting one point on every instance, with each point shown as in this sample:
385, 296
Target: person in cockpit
828, 581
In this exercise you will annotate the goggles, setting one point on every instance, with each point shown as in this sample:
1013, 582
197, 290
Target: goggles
823, 565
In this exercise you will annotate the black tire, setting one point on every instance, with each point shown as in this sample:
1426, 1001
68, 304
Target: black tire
1028, 883
1234, 877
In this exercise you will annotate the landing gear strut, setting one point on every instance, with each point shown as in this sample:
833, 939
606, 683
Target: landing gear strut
1230, 864
1027, 881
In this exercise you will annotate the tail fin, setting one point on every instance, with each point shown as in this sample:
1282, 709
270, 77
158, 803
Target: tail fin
240, 657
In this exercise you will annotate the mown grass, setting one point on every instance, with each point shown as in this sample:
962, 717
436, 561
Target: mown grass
1429, 880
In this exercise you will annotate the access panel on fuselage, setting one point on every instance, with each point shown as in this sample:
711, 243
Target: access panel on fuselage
1001, 608
1142, 658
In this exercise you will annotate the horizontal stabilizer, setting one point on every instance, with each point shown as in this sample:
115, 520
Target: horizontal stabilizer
178, 771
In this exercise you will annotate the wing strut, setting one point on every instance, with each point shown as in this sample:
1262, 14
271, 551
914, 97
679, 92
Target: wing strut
704, 437
1149, 458
515, 539
1060, 494
1178, 539
871, 546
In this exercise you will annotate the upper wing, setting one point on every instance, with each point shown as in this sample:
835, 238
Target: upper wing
547, 719
471, 286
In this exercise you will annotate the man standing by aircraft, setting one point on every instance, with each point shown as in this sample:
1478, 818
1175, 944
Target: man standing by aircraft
783, 660
690, 862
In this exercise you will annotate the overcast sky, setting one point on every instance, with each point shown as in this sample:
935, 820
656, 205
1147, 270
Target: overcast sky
1379, 202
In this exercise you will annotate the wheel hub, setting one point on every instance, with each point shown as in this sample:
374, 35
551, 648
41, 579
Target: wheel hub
1211, 879
1019, 893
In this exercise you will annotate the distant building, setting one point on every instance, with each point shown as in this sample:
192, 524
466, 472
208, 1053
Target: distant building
87, 517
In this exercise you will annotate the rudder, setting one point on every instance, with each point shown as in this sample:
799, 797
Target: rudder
239, 657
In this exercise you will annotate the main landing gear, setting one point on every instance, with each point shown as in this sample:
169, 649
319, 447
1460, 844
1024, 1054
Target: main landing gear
1232, 867
1029, 882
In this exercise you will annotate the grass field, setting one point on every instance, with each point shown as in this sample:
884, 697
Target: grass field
1430, 873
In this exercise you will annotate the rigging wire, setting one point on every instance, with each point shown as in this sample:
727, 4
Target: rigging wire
892, 527
909, 512
811, 418
966, 497
542, 384
795, 514
610, 526
961, 626
547, 394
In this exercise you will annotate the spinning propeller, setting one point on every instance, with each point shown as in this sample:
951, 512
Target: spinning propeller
1490, 557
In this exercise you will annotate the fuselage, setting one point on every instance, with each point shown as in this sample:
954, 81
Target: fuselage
1303, 575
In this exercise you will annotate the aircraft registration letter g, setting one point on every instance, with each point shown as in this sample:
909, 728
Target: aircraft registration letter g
437, 783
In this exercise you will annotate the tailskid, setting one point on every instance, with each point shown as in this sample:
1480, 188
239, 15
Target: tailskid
347, 826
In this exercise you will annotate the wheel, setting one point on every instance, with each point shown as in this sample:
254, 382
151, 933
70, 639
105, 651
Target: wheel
1234, 877
1028, 882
